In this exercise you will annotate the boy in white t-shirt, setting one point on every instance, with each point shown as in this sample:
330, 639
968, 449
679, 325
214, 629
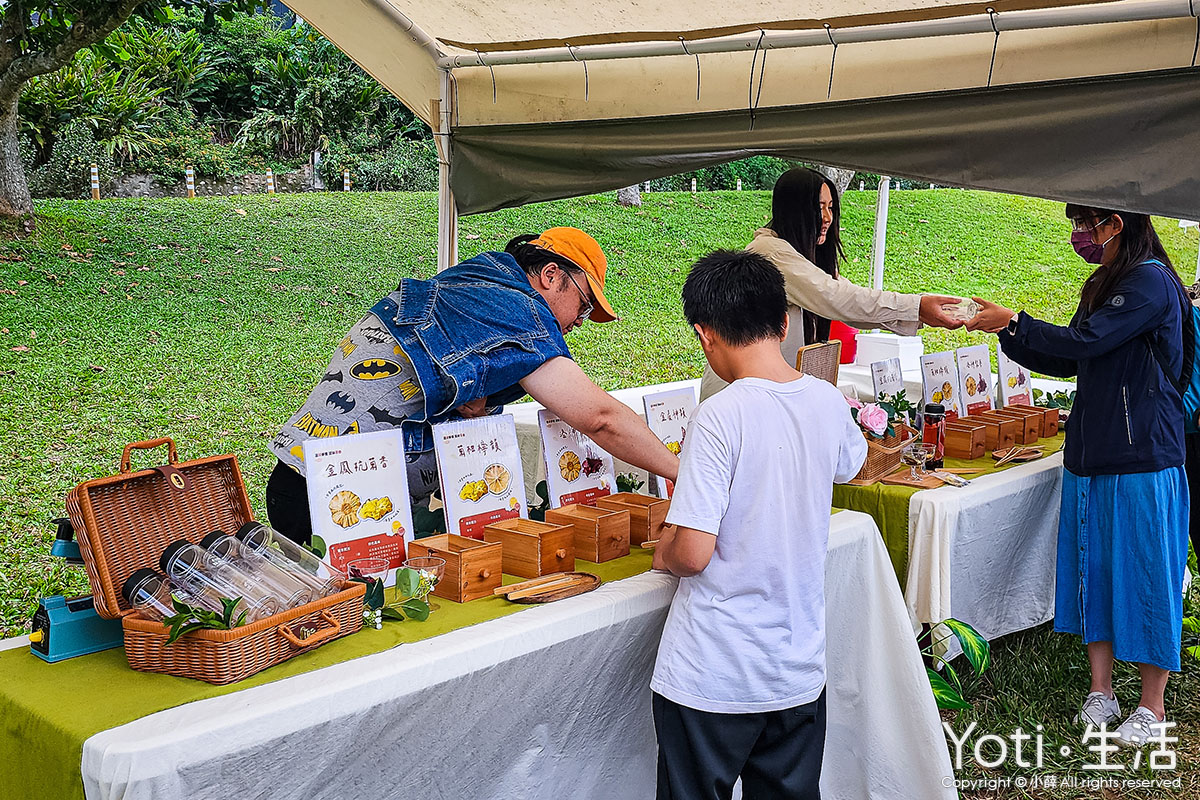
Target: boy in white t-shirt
739, 685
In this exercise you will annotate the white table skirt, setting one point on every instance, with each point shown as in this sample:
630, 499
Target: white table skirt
985, 553
549, 703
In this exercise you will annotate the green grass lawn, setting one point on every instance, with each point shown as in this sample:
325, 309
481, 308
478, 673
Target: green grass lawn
209, 320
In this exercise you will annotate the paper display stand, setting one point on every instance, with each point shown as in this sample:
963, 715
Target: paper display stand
358, 497
939, 376
479, 464
577, 471
886, 378
667, 414
1016, 387
975, 373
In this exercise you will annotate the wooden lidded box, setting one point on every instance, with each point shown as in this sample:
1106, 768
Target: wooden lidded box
646, 513
533, 549
1049, 418
1001, 431
965, 439
473, 568
1029, 423
601, 534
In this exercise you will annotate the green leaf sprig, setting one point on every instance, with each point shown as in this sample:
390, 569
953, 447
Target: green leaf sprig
948, 689
412, 589
193, 618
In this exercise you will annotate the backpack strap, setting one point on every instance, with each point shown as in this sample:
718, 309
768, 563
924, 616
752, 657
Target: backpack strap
1189, 343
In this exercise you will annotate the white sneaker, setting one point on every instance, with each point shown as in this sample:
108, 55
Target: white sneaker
1141, 726
1098, 710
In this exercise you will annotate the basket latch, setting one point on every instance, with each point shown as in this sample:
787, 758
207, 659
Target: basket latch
175, 479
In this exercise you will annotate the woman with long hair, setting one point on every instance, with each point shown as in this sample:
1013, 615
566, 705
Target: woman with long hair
1123, 523
803, 240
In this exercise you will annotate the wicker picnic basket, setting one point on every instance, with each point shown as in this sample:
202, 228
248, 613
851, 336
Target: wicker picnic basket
883, 455
124, 521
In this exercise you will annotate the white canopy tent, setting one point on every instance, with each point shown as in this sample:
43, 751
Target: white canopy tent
1094, 102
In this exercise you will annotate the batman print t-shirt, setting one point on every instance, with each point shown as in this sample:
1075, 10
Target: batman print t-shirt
370, 385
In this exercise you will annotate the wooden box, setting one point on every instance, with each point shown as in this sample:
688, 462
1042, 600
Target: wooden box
473, 568
965, 439
533, 549
1029, 424
646, 514
1001, 431
1049, 418
601, 534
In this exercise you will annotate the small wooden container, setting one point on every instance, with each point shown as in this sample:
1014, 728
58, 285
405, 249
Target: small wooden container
1029, 424
533, 549
1049, 418
1001, 431
646, 514
473, 568
965, 439
601, 534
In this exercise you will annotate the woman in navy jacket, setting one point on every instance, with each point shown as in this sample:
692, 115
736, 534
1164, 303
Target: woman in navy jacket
1123, 524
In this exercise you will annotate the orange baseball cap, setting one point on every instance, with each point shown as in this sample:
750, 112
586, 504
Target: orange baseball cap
584, 252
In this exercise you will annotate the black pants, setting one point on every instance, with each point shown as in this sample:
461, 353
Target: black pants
1191, 465
777, 753
287, 504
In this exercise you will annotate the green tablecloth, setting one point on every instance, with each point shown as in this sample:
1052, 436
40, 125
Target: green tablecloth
889, 504
47, 711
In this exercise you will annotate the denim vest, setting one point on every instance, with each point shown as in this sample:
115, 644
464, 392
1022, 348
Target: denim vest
473, 331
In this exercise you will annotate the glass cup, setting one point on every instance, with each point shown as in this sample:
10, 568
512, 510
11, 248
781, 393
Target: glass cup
930, 451
431, 569
914, 456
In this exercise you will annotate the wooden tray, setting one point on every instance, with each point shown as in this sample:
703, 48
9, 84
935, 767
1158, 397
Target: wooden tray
562, 594
901, 479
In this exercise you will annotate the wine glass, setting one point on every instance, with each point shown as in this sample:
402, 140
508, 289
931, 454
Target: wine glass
431, 569
914, 456
930, 451
372, 571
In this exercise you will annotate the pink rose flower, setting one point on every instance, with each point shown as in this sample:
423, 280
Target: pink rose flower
873, 418
853, 401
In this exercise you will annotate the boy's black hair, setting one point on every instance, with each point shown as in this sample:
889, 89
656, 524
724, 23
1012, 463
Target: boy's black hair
736, 294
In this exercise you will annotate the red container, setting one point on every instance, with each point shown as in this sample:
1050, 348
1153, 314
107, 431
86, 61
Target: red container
848, 337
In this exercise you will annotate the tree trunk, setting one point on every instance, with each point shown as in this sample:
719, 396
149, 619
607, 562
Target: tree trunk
841, 177
630, 196
14, 189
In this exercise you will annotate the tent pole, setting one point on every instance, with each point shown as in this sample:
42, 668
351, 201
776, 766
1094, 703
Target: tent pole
447, 242
880, 241
1029, 19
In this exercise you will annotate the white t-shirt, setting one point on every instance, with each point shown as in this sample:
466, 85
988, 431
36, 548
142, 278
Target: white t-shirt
758, 466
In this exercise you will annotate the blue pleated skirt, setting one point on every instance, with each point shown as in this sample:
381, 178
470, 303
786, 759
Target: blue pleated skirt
1122, 553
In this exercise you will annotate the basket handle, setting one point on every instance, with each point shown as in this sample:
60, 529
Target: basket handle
320, 637
150, 444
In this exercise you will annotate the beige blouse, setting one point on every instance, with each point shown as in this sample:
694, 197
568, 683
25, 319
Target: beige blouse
809, 287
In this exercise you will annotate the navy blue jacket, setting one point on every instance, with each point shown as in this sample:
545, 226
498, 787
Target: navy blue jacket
1127, 416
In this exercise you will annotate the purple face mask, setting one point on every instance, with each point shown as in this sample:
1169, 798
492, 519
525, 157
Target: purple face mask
1088, 250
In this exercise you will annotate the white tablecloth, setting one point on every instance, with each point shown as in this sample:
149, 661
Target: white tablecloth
985, 553
549, 703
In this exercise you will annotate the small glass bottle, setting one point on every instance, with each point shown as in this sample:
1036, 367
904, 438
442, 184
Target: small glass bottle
933, 431
262, 540
186, 564
225, 549
150, 594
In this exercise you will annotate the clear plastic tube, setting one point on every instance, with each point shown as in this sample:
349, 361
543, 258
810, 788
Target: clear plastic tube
150, 595
227, 550
186, 564
262, 540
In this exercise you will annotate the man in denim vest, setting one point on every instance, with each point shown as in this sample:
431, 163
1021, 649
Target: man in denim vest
464, 343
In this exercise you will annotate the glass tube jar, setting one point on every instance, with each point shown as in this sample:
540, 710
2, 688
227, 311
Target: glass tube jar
227, 550
150, 595
186, 564
265, 541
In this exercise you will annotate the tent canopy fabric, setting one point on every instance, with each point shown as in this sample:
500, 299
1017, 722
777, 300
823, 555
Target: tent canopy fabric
1079, 100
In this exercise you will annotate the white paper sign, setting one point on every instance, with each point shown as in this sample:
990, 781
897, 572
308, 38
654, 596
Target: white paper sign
1016, 387
886, 377
479, 464
358, 497
577, 470
975, 377
667, 414
939, 375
